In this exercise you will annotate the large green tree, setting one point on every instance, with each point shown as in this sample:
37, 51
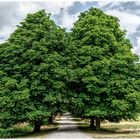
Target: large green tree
31, 69
104, 77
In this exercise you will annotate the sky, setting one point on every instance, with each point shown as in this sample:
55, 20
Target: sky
65, 13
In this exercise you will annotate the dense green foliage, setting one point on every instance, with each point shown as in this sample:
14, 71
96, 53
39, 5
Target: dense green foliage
31, 71
15, 132
89, 71
105, 78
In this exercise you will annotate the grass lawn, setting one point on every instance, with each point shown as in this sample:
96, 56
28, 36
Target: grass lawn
124, 129
26, 131
45, 129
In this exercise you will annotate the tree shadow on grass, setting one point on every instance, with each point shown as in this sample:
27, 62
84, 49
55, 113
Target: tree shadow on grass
43, 131
103, 130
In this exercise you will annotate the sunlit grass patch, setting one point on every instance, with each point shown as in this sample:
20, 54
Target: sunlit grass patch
15, 131
25, 130
123, 129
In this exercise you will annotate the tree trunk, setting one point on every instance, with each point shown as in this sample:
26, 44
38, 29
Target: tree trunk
92, 122
50, 121
98, 123
37, 126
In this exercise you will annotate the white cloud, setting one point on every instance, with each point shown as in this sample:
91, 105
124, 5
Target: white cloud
5, 32
68, 20
103, 3
11, 14
136, 49
54, 6
25, 8
128, 21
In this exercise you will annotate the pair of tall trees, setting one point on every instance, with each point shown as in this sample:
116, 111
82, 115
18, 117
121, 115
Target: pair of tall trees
91, 70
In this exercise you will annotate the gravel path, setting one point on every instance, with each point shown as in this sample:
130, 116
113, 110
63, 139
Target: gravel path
67, 129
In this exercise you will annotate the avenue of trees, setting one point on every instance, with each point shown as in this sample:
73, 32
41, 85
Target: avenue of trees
90, 71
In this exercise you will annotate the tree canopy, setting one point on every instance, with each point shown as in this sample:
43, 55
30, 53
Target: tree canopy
31, 70
90, 70
105, 74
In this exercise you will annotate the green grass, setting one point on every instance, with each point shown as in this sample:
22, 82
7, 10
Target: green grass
124, 129
15, 132
26, 131
45, 130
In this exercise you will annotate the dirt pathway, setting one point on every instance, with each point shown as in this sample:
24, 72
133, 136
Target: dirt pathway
67, 129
